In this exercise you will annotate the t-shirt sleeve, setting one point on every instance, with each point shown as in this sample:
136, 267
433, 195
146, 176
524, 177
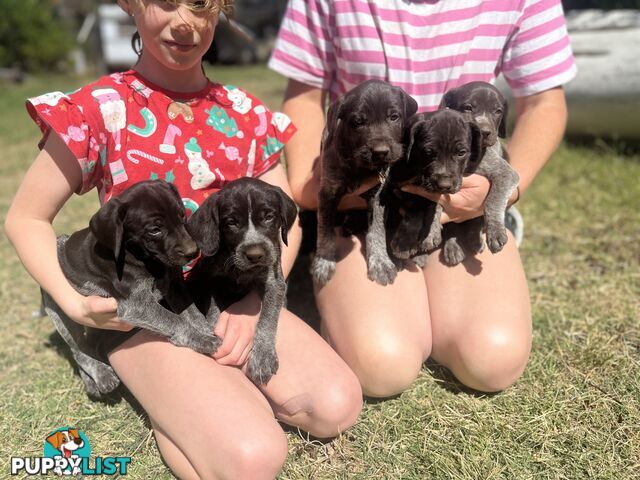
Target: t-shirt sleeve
539, 56
273, 132
303, 50
61, 113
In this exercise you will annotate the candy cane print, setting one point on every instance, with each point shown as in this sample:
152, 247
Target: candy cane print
220, 175
261, 129
150, 124
139, 153
168, 144
251, 159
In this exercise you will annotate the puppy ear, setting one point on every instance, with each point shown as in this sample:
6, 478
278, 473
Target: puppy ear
288, 214
412, 128
410, 104
502, 129
107, 225
203, 226
477, 143
332, 123
447, 100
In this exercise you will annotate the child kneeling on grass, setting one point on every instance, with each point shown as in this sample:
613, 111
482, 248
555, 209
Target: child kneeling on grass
165, 119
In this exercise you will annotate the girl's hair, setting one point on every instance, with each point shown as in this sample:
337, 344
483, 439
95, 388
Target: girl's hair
211, 7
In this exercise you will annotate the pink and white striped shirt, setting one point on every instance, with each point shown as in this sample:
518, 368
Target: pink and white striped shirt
424, 46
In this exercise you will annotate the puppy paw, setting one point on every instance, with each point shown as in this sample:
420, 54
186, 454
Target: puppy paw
420, 260
262, 365
101, 381
322, 270
452, 253
496, 237
433, 240
382, 270
208, 344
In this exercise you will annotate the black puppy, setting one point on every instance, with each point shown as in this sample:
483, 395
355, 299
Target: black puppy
132, 251
483, 103
238, 231
362, 137
442, 147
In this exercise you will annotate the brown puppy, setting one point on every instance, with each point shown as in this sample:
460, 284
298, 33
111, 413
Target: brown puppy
443, 146
133, 251
363, 136
483, 103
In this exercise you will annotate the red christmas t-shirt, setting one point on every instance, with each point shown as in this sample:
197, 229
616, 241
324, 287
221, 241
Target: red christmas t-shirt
123, 129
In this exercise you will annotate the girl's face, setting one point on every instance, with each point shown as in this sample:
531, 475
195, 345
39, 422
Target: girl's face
173, 35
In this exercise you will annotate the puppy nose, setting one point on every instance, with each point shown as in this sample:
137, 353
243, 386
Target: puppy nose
189, 250
486, 132
254, 253
445, 183
380, 152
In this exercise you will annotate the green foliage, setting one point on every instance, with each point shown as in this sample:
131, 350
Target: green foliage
31, 36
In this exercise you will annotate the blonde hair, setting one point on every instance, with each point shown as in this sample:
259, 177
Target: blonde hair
213, 7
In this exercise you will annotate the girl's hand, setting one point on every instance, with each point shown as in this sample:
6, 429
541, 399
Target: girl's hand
466, 204
353, 200
99, 312
237, 327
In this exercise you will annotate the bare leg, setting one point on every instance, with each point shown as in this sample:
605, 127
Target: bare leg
210, 421
481, 317
382, 332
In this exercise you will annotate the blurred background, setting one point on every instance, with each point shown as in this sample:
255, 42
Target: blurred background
93, 37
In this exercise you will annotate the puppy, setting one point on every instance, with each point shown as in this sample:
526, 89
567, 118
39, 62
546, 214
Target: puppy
443, 146
132, 251
238, 231
362, 137
483, 103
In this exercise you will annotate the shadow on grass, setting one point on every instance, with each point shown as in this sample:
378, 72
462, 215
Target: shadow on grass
118, 395
445, 379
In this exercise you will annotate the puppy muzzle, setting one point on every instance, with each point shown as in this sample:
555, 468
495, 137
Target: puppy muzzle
253, 255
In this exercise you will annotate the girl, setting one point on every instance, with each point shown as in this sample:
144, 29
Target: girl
165, 119
474, 318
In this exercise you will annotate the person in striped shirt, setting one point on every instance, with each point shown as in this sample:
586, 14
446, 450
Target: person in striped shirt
474, 318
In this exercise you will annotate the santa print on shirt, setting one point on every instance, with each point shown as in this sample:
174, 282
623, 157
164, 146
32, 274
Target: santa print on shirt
123, 129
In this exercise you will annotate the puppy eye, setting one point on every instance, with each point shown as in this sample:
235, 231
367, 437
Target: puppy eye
467, 108
230, 222
154, 231
268, 217
462, 152
394, 117
498, 111
358, 122
429, 152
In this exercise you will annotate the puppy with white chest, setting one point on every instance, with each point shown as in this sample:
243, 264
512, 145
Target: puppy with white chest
239, 230
362, 138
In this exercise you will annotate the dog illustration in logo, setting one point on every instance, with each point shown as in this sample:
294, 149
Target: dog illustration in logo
66, 442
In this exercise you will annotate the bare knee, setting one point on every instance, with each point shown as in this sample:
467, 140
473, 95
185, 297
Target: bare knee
255, 456
492, 360
388, 365
334, 410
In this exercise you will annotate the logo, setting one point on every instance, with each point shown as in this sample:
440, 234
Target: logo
67, 452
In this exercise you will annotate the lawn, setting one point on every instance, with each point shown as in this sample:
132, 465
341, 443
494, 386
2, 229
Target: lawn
574, 414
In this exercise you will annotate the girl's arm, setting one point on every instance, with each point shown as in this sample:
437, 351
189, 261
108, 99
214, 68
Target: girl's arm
305, 106
47, 185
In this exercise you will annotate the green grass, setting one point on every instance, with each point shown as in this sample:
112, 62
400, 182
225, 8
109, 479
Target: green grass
574, 414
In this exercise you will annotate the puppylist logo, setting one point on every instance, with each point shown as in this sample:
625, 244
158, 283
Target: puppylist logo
67, 452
